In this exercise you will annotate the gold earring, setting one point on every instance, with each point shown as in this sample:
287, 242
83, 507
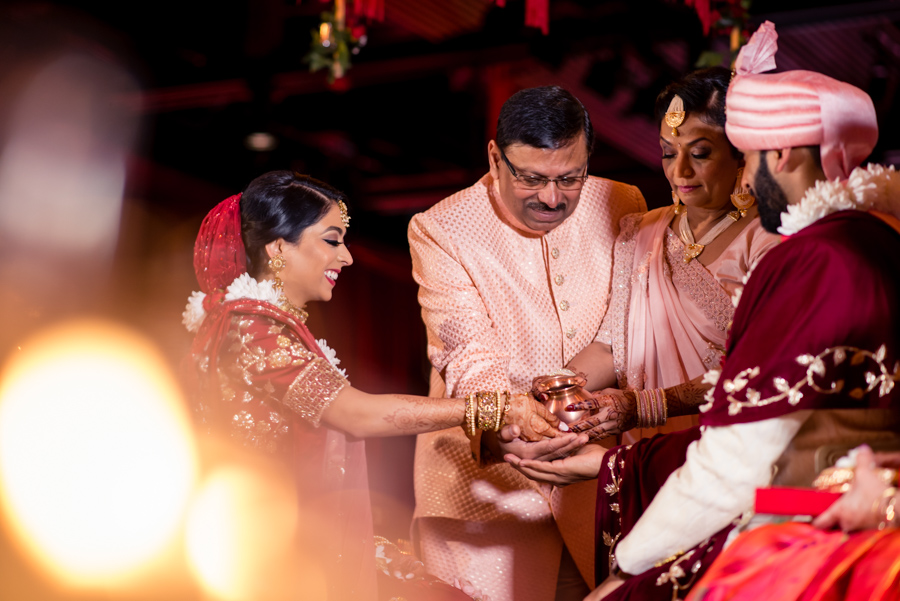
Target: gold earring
679, 208
276, 264
741, 200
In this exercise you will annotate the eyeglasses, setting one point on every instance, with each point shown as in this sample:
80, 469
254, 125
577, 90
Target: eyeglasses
533, 182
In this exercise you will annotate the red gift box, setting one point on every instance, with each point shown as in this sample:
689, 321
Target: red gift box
780, 500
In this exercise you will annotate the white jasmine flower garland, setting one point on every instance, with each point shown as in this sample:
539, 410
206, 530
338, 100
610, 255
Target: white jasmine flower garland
875, 187
245, 286
331, 355
871, 188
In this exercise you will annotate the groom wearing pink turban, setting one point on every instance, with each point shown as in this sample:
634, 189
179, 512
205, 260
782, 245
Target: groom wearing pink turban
813, 355
795, 128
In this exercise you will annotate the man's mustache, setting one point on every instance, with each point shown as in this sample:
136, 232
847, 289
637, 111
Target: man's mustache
539, 206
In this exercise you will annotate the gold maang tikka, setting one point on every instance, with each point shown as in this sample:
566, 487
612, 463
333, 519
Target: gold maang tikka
675, 114
345, 216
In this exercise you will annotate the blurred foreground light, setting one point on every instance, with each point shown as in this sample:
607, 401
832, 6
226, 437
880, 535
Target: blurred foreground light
325, 34
97, 458
62, 170
242, 538
261, 141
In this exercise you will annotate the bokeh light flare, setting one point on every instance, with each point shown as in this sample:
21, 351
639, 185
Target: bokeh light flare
241, 537
97, 457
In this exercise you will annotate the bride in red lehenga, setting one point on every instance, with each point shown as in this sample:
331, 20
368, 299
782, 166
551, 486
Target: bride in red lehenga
261, 377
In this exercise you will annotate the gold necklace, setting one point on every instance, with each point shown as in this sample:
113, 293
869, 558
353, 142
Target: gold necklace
693, 249
288, 307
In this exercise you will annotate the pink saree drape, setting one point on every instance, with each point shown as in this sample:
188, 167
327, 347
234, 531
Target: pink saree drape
668, 319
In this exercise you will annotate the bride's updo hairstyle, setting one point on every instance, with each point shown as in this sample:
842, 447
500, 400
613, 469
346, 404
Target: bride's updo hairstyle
703, 94
281, 204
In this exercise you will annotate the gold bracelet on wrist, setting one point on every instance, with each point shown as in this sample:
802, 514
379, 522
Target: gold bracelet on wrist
485, 409
506, 407
650, 406
470, 415
490, 409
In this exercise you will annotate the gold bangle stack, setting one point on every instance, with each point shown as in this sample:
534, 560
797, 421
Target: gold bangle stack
486, 411
886, 508
652, 410
471, 410
839, 479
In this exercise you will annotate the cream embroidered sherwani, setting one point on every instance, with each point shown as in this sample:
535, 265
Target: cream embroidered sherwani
502, 306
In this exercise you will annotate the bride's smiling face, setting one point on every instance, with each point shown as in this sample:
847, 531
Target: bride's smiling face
313, 264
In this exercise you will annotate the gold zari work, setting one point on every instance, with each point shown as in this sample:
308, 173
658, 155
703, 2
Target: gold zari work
876, 374
314, 390
257, 378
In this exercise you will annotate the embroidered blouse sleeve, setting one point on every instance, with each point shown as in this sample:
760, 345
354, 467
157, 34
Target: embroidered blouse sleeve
274, 364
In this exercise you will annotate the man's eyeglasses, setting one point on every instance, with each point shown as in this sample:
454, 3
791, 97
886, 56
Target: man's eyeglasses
533, 182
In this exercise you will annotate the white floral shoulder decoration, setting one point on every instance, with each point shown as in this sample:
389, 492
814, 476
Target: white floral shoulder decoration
243, 286
874, 187
331, 355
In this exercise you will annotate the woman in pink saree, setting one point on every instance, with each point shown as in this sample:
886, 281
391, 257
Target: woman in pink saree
675, 272
676, 268
261, 377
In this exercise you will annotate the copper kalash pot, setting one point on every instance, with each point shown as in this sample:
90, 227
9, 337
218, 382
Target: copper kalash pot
562, 391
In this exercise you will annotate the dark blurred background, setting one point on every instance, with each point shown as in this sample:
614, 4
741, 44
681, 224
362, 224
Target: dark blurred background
407, 126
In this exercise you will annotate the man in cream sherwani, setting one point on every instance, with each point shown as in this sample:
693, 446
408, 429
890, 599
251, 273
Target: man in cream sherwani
514, 275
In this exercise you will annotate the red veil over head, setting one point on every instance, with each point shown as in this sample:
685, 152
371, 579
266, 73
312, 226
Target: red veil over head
219, 254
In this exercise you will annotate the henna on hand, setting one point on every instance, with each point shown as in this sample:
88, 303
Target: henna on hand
686, 398
616, 413
419, 414
535, 421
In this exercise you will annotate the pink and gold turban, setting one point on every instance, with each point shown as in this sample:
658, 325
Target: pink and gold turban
797, 108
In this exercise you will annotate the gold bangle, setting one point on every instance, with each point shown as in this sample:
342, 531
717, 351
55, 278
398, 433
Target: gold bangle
662, 412
640, 410
470, 415
651, 409
506, 407
484, 410
490, 409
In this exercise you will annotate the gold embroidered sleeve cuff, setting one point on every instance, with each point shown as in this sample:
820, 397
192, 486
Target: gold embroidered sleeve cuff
314, 389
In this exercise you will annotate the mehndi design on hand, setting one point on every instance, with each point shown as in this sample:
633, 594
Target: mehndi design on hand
535, 421
615, 413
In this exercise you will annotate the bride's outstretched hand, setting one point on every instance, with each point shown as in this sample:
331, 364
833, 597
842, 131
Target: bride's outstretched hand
614, 412
534, 420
